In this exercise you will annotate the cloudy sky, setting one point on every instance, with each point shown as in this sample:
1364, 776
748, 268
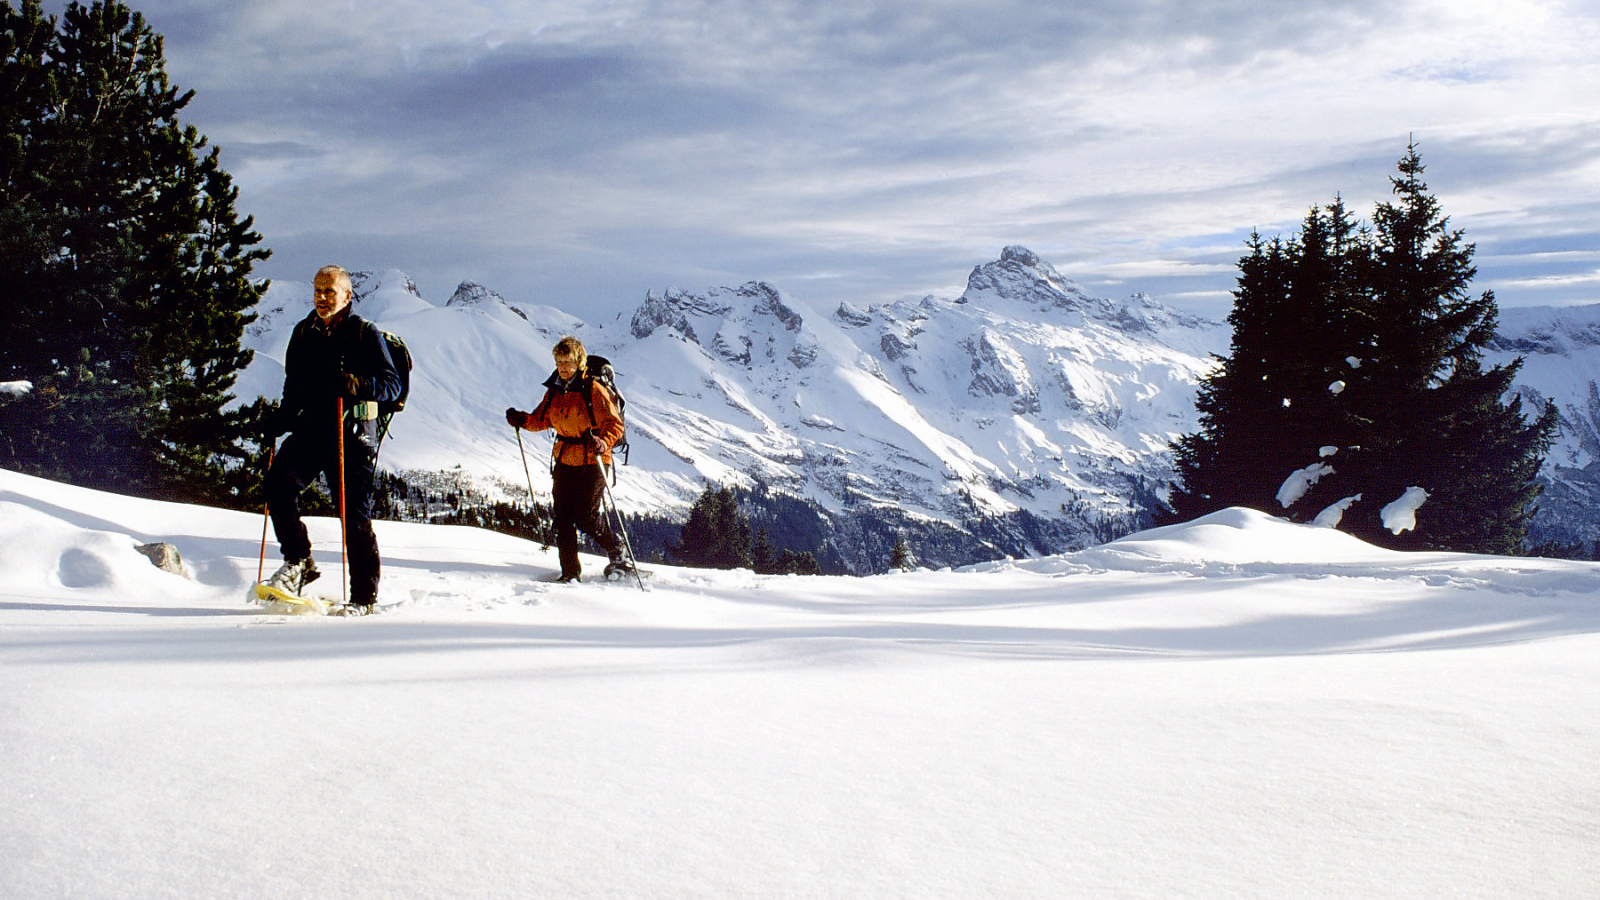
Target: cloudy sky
580, 152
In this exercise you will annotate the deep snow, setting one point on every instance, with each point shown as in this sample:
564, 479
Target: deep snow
1236, 707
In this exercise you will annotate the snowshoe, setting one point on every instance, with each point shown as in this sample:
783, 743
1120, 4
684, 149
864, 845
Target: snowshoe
622, 570
619, 568
281, 594
286, 603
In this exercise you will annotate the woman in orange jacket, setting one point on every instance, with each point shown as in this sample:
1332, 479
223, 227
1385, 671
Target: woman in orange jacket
584, 416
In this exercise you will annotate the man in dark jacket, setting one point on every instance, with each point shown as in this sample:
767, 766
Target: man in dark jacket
334, 355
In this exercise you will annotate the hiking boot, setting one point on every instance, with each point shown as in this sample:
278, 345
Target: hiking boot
568, 579
618, 568
355, 609
294, 575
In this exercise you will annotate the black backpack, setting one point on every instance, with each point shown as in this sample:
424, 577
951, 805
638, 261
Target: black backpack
400, 355
601, 370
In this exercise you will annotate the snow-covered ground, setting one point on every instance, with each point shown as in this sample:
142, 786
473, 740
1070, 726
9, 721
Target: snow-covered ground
1238, 707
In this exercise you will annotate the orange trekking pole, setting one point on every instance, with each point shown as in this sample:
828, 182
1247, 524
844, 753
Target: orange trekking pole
344, 553
266, 517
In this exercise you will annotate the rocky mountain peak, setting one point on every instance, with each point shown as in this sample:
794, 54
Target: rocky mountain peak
853, 316
471, 293
1020, 275
1022, 256
364, 283
769, 302
669, 311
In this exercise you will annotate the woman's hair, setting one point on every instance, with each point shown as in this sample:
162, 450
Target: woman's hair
570, 347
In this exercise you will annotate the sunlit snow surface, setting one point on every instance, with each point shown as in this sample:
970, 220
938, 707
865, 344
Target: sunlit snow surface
1235, 707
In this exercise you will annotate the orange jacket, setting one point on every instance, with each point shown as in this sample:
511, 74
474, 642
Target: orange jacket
563, 409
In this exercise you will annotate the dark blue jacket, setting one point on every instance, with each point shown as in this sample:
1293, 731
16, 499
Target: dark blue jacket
314, 369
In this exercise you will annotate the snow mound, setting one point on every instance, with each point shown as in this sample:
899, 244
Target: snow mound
1241, 536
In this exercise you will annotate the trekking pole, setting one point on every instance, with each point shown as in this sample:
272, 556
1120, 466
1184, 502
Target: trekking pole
525, 470
344, 551
622, 529
266, 516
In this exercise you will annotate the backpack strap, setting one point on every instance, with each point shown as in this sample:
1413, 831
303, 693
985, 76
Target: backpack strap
588, 400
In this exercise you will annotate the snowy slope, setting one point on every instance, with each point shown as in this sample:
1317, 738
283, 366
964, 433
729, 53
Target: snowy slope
1238, 707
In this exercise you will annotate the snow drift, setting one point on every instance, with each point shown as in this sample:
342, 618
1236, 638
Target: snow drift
1234, 707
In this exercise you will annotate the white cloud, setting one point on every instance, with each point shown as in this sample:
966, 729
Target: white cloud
1572, 280
891, 144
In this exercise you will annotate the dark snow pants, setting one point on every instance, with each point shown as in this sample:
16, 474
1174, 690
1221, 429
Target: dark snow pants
298, 463
575, 493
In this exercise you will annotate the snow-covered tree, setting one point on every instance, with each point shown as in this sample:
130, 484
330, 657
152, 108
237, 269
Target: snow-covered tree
1356, 385
900, 556
1267, 403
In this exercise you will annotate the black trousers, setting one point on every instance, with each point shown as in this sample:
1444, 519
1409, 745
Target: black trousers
298, 463
576, 493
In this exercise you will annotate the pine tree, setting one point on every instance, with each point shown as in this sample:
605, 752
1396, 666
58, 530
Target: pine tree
763, 555
798, 562
1426, 412
124, 265
900, 556
716, 535
1269, 400
1367, 342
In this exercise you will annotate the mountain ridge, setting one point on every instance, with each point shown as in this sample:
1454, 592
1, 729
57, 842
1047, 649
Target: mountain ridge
1023, 417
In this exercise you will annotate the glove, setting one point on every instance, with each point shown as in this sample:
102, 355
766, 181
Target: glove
352, 386
516, 418
594, 443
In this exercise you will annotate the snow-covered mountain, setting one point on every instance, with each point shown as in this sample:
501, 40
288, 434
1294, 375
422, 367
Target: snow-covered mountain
1023, 417
1560, 348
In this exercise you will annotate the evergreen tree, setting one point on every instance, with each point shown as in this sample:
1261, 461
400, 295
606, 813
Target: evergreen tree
900, 556
124, 265
716, 535
1269, 399
763, 555
1425, 411
1367, 342
798, 562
